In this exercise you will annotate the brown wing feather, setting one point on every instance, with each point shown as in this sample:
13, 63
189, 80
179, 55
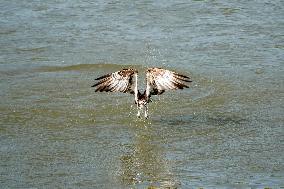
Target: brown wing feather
120, 81
160, 80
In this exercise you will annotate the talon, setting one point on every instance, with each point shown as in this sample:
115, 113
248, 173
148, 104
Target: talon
138, 115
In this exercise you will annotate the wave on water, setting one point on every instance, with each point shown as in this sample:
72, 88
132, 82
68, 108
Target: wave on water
87, 67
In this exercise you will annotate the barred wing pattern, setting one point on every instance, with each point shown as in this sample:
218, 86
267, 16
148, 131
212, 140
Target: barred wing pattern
120, 81
160, 80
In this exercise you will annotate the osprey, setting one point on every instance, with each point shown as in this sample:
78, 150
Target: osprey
158, 80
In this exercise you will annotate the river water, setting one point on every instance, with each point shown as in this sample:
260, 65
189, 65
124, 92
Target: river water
225, 131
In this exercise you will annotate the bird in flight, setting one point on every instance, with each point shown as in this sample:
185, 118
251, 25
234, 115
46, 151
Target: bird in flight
158, 81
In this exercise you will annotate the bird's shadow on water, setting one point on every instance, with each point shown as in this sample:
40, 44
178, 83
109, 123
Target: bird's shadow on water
209, 119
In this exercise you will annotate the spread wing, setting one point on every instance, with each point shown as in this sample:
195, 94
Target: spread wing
120, 81
160, 80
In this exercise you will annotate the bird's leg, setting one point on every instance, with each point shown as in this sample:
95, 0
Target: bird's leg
146, 112
138, 114
139, 110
